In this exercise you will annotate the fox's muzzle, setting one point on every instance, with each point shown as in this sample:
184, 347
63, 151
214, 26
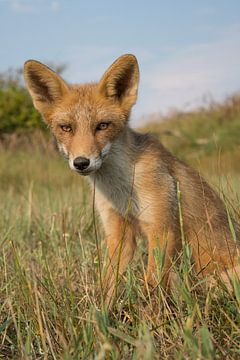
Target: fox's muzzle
85, 166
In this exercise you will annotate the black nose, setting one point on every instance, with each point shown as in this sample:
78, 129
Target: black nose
81, 163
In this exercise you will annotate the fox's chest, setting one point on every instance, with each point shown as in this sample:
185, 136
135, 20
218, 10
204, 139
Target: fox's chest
126, 197
119, 193
119, 185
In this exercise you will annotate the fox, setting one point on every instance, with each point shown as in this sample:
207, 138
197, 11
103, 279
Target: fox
136, 180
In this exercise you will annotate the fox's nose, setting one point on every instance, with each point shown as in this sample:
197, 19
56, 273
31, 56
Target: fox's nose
81, 163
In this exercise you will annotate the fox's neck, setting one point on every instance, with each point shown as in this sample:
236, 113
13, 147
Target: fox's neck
121, 155
115, 179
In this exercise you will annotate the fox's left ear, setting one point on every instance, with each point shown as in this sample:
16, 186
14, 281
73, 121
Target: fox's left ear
120, 81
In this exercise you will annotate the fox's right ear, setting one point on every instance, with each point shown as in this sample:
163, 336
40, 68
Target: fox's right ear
44, 85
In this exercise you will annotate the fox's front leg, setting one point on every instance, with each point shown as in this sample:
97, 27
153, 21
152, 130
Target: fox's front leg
162, 246
121, 245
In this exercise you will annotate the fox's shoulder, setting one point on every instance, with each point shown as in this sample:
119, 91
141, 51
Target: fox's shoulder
148, 145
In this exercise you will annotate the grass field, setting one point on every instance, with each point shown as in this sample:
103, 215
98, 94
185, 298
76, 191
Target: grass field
51, 305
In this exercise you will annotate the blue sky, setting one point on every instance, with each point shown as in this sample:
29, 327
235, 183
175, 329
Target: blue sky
188, 51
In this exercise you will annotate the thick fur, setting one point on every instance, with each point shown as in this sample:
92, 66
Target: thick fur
137, 180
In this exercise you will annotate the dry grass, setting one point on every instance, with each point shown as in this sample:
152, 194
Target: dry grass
50, 300
51, 304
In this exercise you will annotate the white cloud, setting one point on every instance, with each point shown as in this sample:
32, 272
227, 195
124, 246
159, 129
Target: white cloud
55, 6
32, 6
181, 81
21, 5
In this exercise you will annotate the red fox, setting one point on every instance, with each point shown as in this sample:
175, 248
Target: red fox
137, 180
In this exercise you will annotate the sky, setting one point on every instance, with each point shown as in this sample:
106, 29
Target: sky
188, 51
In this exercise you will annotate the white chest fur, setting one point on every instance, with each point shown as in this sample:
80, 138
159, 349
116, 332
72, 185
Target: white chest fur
115, 181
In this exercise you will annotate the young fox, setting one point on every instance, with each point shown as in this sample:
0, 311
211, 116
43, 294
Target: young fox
137, 180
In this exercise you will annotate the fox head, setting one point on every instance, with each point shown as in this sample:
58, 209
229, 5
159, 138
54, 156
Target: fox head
85, 119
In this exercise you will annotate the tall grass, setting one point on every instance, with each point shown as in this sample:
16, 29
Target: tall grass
50, 294
50, 299
203, 136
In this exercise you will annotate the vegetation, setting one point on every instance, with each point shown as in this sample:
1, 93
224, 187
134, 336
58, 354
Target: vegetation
204, 136
50, 299
51, 304
16, 110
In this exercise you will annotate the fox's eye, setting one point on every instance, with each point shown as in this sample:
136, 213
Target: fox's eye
102, 126
66, 128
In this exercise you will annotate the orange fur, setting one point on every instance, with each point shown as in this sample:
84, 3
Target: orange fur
136, 178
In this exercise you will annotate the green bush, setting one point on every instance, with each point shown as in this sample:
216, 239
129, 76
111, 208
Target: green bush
16, 108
